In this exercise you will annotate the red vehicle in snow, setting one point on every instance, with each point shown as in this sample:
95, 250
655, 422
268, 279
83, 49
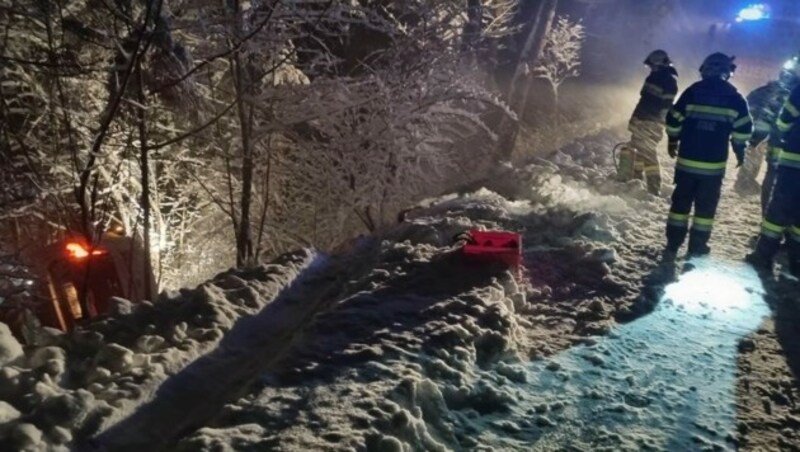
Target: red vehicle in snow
77, 282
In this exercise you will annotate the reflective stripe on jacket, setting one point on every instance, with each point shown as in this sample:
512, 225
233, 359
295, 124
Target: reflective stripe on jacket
657, 95
708, 115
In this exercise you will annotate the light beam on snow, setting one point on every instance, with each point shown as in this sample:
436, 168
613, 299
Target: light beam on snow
663, 382
712, 291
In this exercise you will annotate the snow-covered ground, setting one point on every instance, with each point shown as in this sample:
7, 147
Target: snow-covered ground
396, 343
663, 382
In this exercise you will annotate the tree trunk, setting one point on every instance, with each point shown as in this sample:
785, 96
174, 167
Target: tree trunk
556, 119
244, 247
534, 43
265, 195
528, 53
144, 162
242, 85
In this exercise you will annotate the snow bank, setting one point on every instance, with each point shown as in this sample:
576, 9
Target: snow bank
10, 349
72, 386
394, 363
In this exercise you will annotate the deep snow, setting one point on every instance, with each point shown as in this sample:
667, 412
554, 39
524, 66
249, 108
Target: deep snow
396, 343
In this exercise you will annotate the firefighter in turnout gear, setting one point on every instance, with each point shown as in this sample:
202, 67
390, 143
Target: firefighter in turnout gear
765, 104
783, 210
639, 157
708, 114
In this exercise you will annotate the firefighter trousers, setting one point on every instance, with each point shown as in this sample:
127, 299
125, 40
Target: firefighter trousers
696, 191
783, 215
639, 158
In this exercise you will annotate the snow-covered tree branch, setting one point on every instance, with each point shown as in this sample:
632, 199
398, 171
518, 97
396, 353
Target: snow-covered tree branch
561, 56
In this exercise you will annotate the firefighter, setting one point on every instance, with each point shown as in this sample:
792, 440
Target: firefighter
708, 114
765, 103
646, 125
783, 210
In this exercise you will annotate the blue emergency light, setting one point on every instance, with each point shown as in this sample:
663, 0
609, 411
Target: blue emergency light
754, 12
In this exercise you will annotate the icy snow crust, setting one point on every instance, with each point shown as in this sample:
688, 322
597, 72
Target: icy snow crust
395, 343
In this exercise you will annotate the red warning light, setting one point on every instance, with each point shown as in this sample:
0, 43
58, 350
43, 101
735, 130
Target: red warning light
77, 251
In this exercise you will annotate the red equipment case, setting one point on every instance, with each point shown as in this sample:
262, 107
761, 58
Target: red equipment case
494, 246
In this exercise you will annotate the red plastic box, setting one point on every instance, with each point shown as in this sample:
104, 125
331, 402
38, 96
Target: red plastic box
495, 246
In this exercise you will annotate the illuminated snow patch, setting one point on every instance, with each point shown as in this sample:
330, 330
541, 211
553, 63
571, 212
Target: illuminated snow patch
663, 382
713, 289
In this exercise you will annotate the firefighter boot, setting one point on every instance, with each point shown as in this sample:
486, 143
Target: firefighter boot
652, 171
699, 250
669, 254
698, 243
760, 263
675, 238
627, 161
763, 257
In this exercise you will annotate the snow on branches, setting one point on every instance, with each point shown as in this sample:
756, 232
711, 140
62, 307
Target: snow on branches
561, 56
267, 123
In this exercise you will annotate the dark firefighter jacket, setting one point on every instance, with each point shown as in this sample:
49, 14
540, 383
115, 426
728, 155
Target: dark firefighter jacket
765, 105
707, 115
659, 91
787, 124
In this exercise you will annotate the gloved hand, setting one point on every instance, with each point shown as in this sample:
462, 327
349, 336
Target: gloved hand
672, 148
